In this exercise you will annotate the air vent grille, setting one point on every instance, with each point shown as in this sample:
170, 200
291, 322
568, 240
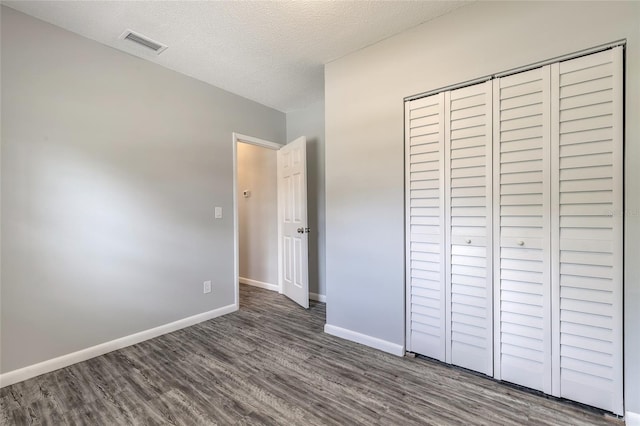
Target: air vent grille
143, 41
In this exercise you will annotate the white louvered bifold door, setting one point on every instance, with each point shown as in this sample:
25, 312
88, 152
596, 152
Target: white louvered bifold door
425, 267
515, 228
587, 235
522, 229
468, 224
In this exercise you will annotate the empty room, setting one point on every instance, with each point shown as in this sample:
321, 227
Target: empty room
319, 212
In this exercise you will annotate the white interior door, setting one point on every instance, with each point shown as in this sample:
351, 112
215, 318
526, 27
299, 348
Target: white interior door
292, 217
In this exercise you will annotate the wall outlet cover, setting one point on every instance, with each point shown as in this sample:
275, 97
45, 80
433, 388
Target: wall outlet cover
206, 288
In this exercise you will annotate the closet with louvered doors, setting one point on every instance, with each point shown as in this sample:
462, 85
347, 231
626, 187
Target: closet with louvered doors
558, 229
449, 227
515, 228
558, 248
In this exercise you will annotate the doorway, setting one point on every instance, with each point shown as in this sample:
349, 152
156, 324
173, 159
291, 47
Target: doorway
290, 205
257, 216
256, 213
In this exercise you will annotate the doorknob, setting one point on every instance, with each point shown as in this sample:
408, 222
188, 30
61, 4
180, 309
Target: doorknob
300, 230
303, 230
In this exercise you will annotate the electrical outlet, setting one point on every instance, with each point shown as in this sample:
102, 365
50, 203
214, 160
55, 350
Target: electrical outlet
206, 287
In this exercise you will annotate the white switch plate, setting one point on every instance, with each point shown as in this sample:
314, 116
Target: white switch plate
206, 287
218, 212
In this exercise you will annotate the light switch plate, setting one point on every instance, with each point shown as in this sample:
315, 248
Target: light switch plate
218, 212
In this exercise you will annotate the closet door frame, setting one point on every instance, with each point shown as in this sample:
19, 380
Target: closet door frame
618, 178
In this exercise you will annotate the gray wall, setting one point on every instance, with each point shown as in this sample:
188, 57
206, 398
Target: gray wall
309, 122
258, 214
111, 168
364, 150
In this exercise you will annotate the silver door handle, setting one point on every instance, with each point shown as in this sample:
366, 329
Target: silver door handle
300, 230
303, 230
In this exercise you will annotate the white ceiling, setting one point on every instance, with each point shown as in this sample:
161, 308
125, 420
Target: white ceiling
272, 52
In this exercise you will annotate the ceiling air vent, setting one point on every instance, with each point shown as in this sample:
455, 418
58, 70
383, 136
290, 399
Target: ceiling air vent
143, 41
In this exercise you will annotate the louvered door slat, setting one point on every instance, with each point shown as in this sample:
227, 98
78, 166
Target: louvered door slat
587, 236
469, 227
522, 229
425, 226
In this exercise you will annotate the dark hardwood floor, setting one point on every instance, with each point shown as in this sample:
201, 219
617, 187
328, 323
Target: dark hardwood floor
271, 363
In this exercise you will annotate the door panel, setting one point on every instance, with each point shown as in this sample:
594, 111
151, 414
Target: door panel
294, 237
587, 237
425, 270
522, 229
468, 153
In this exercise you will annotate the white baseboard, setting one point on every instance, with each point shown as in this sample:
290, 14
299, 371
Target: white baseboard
632, 419
274, 287
34, 370
364, 339
318, 297
260, 284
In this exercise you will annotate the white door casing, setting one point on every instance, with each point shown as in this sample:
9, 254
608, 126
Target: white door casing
293, 231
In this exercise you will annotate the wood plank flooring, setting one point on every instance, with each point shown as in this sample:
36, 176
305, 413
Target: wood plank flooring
270, 363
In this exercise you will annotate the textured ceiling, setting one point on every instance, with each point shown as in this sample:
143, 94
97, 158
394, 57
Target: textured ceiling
272, 52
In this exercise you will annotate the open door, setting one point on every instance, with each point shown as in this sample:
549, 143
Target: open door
292, 216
